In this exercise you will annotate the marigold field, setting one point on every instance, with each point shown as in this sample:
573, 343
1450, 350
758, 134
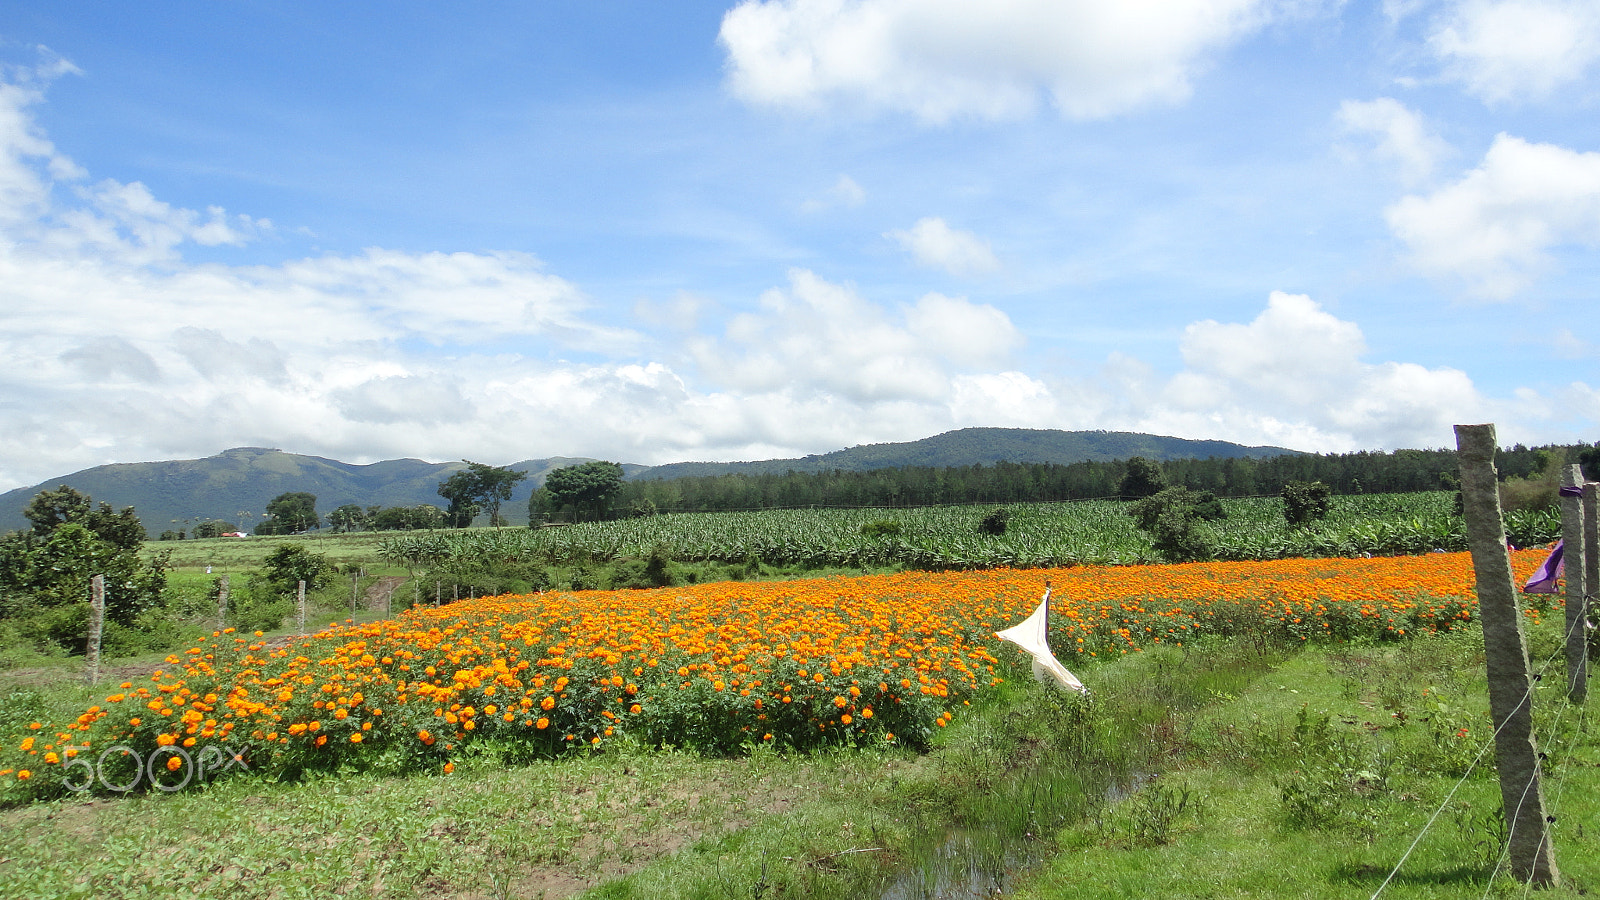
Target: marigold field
712, 667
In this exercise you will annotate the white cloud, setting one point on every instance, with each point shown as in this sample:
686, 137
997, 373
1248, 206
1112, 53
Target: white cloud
1511, 50
1495, 229
417, 399
1569, 346
1403, 138
1295, 377
825, 337
845, 193
934, 244
938, 59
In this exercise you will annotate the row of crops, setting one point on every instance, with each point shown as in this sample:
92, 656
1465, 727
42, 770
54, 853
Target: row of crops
717, 668
949, 537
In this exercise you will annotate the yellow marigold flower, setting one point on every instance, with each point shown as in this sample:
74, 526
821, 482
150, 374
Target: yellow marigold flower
355, 738
174, 764
543, 723
449, 767
24, 775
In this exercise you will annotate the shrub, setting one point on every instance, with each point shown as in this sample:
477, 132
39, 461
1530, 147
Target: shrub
1305, 501
881, 528
994, 524
1174, 519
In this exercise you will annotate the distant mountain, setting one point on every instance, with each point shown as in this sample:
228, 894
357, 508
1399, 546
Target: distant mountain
980, 446
235, 485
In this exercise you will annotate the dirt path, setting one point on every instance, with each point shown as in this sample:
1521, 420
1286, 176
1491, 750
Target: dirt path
380, 594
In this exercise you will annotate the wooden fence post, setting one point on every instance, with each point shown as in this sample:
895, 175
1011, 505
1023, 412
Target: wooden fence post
222, 602
1506, 659
97, 624
300, 606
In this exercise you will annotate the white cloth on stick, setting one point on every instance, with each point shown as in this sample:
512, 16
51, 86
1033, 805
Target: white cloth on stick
1030, 636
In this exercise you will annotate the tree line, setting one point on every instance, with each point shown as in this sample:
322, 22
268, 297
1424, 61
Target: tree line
596, 490
1398, 471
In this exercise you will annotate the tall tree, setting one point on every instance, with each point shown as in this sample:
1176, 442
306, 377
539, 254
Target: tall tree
49, 510
477, 487
45, 572
289, 513
1143, 478
350, 517
591, 484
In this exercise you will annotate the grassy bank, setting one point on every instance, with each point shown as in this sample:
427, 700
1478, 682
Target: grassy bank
1317, 779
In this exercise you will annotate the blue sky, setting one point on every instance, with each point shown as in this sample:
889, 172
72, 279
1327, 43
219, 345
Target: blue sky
658, 232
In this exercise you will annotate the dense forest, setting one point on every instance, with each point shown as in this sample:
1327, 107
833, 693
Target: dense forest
1345, 473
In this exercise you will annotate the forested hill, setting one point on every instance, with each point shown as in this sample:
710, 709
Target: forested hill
235, 486
978, 446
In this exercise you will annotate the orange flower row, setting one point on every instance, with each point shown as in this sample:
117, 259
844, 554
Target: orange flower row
716, 666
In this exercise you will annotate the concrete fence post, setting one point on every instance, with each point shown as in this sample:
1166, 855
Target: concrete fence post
1575, 558
300, 606
1506, 659
97, 624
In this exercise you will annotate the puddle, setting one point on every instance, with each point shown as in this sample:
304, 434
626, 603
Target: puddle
963, 868
975, 865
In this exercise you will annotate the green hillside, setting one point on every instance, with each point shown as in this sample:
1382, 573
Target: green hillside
980, 446
235, 485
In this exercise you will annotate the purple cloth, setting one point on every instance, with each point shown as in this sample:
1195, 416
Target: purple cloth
1571, 490
1544, 580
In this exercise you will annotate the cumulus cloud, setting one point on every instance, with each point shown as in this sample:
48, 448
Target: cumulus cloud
111, 358
1403, 138
933, 243
404, 398
1496, 228
827, 337
1295, 376
1512, 50
938, 59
